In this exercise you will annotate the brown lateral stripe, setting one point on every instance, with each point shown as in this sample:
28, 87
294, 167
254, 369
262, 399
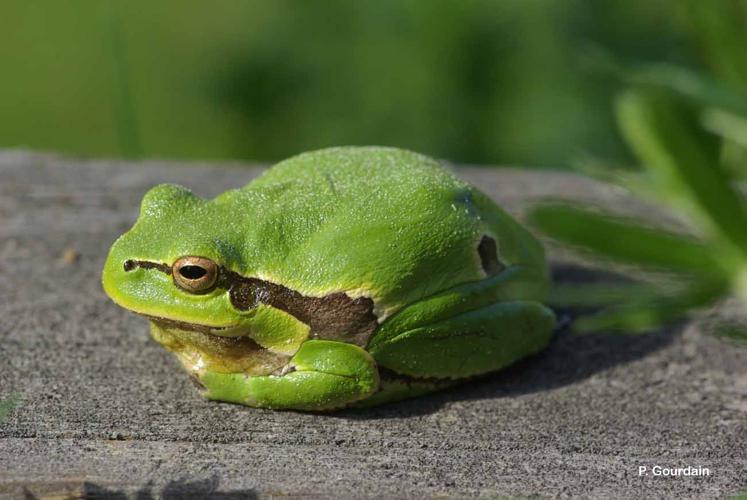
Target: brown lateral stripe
335, 316
129, 265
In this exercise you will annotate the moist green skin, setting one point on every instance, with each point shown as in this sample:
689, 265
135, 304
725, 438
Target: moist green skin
336, 265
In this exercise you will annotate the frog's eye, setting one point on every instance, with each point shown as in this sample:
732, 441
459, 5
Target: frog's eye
194, 274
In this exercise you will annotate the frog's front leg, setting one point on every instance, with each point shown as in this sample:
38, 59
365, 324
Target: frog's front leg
322, 375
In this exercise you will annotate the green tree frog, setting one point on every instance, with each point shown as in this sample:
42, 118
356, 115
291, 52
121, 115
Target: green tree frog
348, 276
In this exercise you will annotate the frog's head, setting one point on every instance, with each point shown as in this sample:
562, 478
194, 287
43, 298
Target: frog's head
171, 265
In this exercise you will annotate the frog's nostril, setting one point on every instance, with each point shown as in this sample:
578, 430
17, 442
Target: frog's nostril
129, 265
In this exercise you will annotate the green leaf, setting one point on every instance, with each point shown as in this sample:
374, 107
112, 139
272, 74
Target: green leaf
732, 128
728, 125
642, 315
624, 241
605, 170
719, 30
597, 295
634, 180
696, 86
684, 160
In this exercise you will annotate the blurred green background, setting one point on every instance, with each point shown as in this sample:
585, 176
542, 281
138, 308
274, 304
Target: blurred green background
478, 81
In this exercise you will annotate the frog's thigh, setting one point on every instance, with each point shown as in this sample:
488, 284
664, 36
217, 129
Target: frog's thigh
325, 375
467, 344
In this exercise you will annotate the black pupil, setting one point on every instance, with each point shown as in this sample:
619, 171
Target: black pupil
192, 272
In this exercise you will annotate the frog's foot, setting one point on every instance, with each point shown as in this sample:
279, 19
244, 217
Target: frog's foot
396, 387
469, 343
322, 375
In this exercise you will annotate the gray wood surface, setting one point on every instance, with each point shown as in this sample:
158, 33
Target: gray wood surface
105, 410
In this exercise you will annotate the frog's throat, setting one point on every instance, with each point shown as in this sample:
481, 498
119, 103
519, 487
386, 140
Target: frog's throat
335, 316
199, 351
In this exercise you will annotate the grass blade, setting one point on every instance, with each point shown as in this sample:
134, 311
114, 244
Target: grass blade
698, 87
667, 138
728, 125
623, 241
643, 314
597, 295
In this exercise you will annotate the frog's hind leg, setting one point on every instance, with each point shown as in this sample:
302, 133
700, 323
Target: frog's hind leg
469, 330
468, 344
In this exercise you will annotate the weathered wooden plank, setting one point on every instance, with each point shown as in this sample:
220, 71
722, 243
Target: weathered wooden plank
103, 409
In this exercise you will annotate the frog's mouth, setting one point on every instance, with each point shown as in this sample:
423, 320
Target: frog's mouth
222, 331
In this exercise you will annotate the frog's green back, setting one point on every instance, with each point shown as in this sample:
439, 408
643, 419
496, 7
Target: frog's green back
380, 222
384, 223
